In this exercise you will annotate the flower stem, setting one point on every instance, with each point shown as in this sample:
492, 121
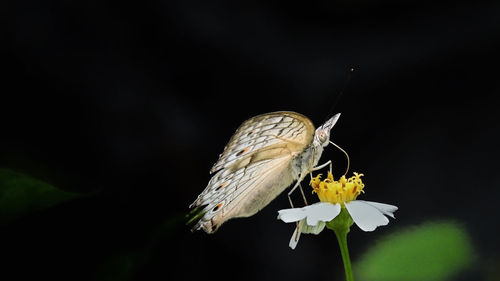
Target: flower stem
341, 226
342, 238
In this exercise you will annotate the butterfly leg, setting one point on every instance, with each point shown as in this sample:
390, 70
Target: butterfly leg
329, 162
297, 227
303, 195
301, 192
291, 191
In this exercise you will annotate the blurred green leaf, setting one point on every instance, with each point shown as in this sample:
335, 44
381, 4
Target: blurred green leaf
431, 251
21, 195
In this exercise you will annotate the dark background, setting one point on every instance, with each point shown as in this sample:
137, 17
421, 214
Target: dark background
131, 104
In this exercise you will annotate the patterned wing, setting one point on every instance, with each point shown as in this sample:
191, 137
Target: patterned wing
264, 131
242, 192
254, 167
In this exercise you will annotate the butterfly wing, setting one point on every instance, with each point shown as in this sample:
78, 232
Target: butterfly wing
263, 131
243, 192
254, 167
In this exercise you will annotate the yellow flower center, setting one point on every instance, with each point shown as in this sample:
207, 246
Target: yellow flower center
341, 191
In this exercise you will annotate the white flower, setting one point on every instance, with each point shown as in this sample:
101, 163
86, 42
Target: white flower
312, 219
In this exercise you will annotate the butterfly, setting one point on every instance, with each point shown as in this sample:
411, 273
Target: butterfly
266, 154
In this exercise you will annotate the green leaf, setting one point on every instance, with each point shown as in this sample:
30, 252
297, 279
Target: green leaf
431, 251
21, 195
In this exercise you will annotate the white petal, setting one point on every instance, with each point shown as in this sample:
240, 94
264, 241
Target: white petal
316, 229
304, 228
321, 212
313, 213
366, 216
386, 209
292, 214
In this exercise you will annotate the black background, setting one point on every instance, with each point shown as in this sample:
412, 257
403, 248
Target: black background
133, 102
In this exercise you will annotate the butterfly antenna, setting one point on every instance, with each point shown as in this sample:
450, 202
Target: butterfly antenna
347, 155
346, 84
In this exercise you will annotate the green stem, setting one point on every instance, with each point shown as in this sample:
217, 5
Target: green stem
342, 238
341, 225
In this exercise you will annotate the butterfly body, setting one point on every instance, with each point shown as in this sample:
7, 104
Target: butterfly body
266, 154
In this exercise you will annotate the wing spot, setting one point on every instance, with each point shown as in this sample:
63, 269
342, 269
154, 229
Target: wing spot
217, 207
243, 151
221, 186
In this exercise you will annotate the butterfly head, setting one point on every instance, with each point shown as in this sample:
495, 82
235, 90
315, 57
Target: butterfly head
322, 134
